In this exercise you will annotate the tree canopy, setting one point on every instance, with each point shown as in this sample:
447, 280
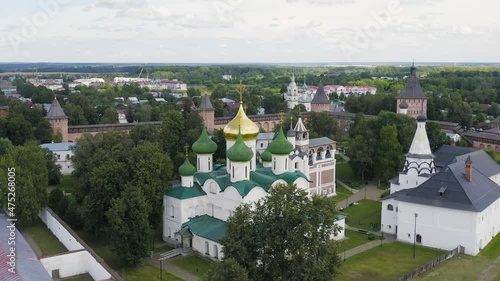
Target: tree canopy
285, 236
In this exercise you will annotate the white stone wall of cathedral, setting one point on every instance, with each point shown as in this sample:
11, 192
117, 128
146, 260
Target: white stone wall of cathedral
187, 181
204, 163
240, 171
207, 247
280, 164
440, 228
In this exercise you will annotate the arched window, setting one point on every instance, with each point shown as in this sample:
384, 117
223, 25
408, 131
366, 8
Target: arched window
216, 252
296, 165
390, 207
419, 238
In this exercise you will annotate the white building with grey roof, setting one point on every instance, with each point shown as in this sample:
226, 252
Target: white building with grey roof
444, 199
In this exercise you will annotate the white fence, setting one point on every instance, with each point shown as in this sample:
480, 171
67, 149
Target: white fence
80, 259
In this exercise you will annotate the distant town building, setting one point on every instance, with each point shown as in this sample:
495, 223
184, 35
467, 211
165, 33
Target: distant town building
122, 116
227, 77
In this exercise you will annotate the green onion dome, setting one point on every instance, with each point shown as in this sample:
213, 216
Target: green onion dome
280, 144
266, 156
187, 169
204, 145
239, 152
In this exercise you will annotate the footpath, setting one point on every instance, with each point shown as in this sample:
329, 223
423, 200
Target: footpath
168, 266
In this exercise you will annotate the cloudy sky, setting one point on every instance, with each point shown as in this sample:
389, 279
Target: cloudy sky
231, 31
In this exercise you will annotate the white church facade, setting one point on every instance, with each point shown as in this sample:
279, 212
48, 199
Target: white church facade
444, 199
195, 212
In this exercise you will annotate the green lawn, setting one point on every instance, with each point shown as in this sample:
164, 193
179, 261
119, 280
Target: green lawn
353, 240
342, 194
492, 250
162, 248
146, 271
46, 241
363, 214
68, 184
347, 175
387, 263
143, 271
458, 268
194, 264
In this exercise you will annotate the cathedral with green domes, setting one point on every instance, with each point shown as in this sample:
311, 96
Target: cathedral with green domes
195, 211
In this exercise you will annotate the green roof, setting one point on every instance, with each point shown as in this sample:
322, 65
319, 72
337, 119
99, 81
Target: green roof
266, 156
186, 192
204, 145
239, 152
280, 145
207, 227
187, 169
263, 177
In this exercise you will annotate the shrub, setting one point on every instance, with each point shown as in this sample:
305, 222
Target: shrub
54, 198
371, 236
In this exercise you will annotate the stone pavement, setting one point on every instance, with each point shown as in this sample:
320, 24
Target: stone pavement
369, 191
367, 246
168, 266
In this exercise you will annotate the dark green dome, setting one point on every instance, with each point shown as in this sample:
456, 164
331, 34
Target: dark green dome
266, 156
280, 144
187, 169
204, 145
239, 152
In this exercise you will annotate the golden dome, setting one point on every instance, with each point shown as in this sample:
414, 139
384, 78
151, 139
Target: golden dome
249, 130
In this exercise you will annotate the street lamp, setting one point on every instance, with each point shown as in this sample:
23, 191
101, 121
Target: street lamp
415, 235
382, 232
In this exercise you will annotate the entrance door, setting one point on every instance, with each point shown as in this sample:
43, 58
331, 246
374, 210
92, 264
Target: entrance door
191, 242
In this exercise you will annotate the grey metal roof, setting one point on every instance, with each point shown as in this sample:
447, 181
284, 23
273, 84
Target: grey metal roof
412, 88
474, 196
447, 154
56, 111
320, 96
205, 103
28, 266
320, 141
63, 146
482, 161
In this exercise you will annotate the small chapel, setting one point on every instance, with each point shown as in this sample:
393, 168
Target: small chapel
195, 211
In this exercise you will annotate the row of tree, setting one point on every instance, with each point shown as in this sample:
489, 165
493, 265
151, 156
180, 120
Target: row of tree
376, 145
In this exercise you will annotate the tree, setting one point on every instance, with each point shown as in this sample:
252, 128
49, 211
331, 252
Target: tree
226, 270
437, 137
5, 146
54, 198
54, 169
391, 151
151, 170
285, 236
19, 130
43, 131
145, 133
173, 127
219, 138
28, 163
130, 209
73, 215
274, 104
321, 124
109, 116
62, 207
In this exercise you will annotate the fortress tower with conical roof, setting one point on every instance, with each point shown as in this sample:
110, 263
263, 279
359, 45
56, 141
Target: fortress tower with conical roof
58, 120
411, 99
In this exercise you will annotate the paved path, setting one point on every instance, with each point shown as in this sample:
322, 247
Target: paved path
369, 191
168, 266
367, 246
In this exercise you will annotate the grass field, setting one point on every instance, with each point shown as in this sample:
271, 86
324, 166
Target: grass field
464, 268
387, 263
68, 184
46, 241
146, 271
363, 214
143, 271
492, 250
342, 194
347, 175
354, 239
194, 264
458, 268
